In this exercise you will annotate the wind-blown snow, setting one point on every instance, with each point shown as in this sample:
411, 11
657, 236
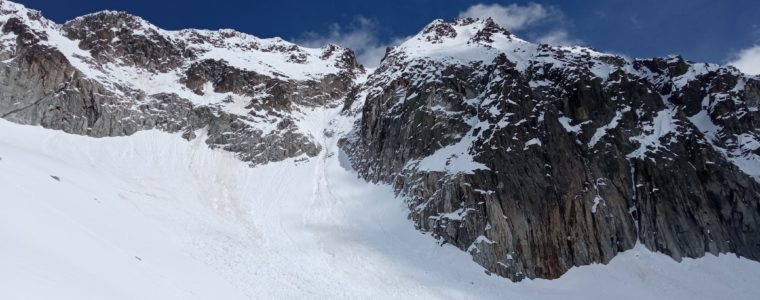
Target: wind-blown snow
151, 216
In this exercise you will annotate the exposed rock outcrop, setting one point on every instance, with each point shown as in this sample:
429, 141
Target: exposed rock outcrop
535, 159
111, 73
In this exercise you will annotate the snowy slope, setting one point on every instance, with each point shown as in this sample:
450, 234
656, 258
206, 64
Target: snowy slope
152, 216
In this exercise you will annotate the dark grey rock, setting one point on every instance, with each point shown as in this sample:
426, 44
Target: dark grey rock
549, 199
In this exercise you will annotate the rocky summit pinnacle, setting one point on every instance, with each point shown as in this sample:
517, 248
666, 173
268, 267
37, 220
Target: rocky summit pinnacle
532, 158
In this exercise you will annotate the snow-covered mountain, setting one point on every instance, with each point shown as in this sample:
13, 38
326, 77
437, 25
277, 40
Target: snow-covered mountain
536, 159
137, 162
111, 74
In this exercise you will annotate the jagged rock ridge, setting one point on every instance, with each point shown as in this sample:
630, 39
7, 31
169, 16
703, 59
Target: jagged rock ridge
536, 158
111, 73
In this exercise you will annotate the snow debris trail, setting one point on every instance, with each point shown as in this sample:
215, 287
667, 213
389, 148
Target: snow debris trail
151, 216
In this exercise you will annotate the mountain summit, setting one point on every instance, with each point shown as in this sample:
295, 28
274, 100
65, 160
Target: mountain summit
536, 158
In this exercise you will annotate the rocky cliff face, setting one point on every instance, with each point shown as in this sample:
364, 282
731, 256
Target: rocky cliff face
111, 73
535, 159
532, 158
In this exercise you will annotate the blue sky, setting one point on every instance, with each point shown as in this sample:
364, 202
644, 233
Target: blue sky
700, 30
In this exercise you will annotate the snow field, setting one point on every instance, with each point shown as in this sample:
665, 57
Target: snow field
151, 216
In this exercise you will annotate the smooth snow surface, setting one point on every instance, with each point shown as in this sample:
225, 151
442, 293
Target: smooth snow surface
152, 216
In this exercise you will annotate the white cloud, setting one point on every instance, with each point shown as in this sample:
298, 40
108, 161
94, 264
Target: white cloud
541, 23
558, 37
513, 17
748, 60
360, 36
531, 19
